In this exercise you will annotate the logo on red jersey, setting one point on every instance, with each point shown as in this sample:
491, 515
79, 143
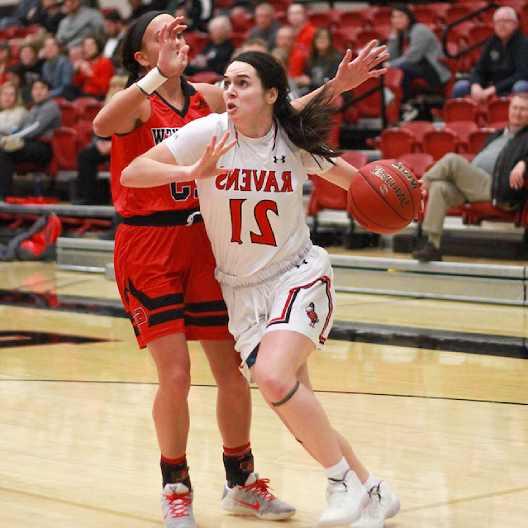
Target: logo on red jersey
312, 314
139, 316
159, 134
255, 180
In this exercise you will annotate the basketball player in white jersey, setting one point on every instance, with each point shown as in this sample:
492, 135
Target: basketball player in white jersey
277, 286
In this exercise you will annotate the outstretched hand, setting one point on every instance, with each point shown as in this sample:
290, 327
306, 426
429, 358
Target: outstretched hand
205, 167
173, 54
352, 73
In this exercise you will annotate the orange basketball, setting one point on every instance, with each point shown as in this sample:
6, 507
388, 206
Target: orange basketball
385, 196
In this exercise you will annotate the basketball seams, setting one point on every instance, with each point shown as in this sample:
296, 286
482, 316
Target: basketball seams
383, 198
409, 188
364, 220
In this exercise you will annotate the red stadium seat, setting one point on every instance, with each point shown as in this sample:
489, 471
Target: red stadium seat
354, 20
477, 139
196, 41
418, 129
85, 132
395, 142
418, 162
69, 113
463, 129
65, 144
439, 142
497, 114
326, 195
460, 110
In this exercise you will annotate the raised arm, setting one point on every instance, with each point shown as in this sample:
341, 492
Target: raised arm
352, 73
122, 113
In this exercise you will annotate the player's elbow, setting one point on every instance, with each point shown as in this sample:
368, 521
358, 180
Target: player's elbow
127, 176
101, 126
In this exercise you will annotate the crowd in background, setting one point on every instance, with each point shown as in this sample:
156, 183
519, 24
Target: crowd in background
72, 49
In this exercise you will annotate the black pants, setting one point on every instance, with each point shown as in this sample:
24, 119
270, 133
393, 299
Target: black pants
88, 161
419, 70
33, 151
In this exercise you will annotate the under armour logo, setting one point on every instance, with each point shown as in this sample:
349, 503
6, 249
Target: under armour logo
282, 159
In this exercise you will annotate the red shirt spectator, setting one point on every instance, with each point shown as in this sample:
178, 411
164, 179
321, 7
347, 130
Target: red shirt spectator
93, 72
304, 34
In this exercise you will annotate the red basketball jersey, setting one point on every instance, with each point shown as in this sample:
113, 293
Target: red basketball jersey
164, 121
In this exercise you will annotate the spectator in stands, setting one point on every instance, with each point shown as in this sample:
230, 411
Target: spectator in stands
57, 70
502, 67
12, 112
30, 142
50, 15
304, 33
322, 63
284, 43
266, 26
198, 13
114, 29
497, 174
29, 69
92, 73
416, 50
218, 51
79, 22
137, 8
19, 17
5, 61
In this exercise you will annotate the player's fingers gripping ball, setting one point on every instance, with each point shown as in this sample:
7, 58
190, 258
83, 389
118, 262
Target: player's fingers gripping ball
385, 196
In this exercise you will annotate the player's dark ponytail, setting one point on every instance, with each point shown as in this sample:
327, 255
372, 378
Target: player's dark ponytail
133, 42
307, 129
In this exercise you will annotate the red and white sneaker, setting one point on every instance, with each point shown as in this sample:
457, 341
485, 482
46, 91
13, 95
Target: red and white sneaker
176, 505
254, 498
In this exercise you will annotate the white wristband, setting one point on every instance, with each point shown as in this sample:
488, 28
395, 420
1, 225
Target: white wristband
151, 82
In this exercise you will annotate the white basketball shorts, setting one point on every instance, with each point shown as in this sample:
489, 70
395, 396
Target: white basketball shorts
301, 299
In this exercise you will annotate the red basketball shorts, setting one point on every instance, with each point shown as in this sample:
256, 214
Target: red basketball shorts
165, 276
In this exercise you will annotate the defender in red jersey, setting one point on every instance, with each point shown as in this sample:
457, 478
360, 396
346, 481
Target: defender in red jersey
165, 273
163, 268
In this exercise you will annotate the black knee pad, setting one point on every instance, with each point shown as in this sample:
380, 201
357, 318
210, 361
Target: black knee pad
288, 396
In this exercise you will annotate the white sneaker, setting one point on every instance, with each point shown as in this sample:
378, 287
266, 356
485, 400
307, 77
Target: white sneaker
346, 500
383, 504
176, 505
254, 498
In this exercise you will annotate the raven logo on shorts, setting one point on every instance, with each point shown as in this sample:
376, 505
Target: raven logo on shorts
139, 316
312, 314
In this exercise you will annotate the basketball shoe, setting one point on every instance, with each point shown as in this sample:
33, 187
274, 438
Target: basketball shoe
346, 500
254, 498
176, 505
383, 504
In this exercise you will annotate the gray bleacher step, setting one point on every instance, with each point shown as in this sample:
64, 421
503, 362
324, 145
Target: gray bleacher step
81, 254
484, 283
90, 211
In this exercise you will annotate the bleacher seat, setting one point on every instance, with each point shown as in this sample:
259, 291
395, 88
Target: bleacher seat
418, 162
418, 129
69, 112
462, 129
497, 112
439, 142
395, 142
460, 109
65, 144
477, 139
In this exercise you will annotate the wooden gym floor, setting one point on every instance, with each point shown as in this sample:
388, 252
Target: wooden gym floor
449, 428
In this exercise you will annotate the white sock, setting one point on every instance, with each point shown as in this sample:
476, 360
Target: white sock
371, 482
337, 471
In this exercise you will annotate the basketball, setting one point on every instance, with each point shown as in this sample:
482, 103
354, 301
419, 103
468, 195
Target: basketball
385, 196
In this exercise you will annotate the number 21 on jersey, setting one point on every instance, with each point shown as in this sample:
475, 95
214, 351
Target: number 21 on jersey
238, 212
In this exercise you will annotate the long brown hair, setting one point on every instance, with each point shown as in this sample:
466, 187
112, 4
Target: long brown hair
308, 128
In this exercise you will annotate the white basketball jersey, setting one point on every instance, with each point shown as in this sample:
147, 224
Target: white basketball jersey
253, 211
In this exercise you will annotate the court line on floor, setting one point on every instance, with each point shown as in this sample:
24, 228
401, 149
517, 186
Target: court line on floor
318, 391
152, 520
466, 499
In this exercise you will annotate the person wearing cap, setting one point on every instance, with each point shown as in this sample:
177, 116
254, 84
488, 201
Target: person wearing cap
114, 31
30, 142
502, 67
